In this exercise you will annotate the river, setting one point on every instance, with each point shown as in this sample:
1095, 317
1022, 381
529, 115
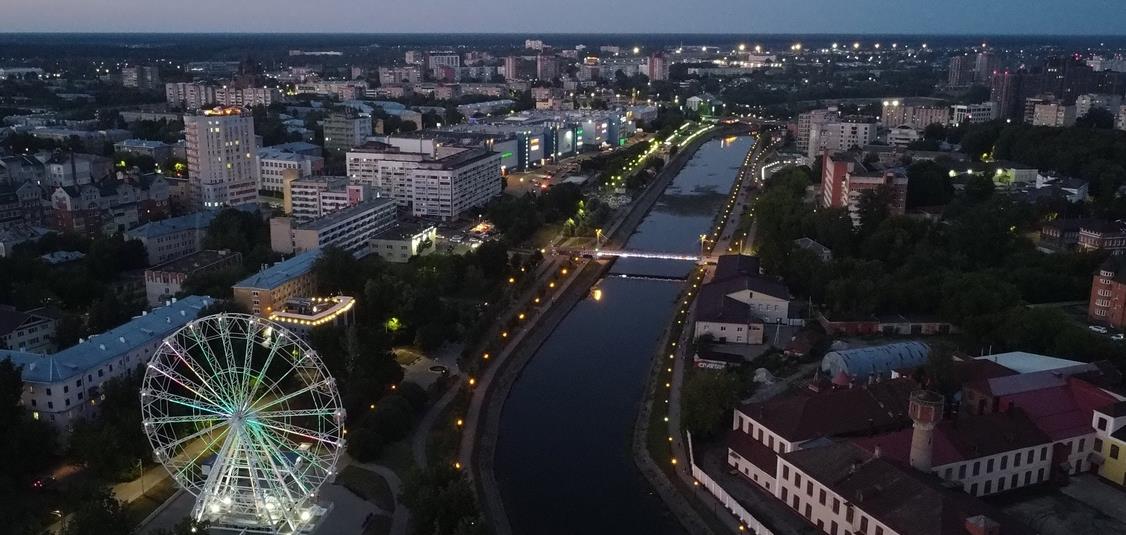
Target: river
563, 455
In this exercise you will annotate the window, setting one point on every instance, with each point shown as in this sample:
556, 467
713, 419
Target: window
1044, 453
1000, 484
989, 466
1030, 454
977, 467
1082, 444
1101, 424
836, 506
863, 524
1028, 477
797, 480
48, 391
1014, 481
1004, 462
821, 497
949, 472
848, 514
1098, 445
1016, 460
785, 472
833, 528
988, 487
808, 511
962, 472
1114, 451
809, 488
1040, 475
879, 530
50, 404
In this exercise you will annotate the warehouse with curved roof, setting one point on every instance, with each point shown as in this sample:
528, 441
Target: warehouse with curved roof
871, 361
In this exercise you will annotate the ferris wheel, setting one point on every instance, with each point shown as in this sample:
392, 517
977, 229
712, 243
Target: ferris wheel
244, 415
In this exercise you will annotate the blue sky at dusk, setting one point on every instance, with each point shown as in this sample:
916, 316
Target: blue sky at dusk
986, 17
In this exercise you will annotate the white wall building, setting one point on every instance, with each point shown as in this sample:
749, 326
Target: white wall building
273, 163
66, 385
352, 229
973, 113
443, 183
221, 162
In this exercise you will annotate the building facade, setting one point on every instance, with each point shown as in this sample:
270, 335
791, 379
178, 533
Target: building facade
221, 158
351, 229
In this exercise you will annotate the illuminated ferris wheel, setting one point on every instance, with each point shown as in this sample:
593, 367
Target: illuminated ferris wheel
244, 416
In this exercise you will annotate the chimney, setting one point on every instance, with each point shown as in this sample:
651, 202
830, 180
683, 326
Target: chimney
982, 525
925, 409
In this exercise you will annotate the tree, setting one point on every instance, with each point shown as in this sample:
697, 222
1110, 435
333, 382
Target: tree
337, 271
98, 513
928, 184
442, 503
874, 207
1096, 118
709, 398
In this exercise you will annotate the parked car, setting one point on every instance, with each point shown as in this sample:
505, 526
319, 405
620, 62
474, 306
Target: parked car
1097, 328
1118, 337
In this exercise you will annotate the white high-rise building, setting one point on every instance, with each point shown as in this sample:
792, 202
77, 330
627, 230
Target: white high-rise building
972, 113
837, 137
1085, 103
443, 182
809, 123
272, 165
221, 158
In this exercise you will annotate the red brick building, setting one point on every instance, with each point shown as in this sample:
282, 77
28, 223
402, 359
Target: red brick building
1107, 305
845, 177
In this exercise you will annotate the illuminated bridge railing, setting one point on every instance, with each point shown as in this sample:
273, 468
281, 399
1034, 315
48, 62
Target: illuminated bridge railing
656, 255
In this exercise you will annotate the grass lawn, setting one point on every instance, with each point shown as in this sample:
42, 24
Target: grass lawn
367, 485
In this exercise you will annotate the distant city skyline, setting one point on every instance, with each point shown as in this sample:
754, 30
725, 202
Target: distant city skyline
956, 17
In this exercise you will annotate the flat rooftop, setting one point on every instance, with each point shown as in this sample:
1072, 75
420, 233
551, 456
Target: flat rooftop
196, 261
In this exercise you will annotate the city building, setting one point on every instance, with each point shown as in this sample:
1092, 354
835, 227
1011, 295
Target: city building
547, 67
985, 65
845, 177
344, 130
735, 305
443, 182
972, 113
961, 72
109, 206
274, 165
1089, 101
915, 115
840, 136
270, 288
874, 362
141, 76
406, 240
1103, 236
1107, 303
409, 74
1110, 441
314, 197
304, 314
221, 164
60, 387
30, 330
164, 281
189, 96
658, 67
159, 151
1053, 114
172, 238
351, 228
842, 488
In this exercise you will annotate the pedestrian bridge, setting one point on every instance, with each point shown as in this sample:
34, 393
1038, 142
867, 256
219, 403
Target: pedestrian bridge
629, 253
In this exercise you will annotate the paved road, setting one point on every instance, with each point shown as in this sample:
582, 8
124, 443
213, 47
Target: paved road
400, 518
422, 431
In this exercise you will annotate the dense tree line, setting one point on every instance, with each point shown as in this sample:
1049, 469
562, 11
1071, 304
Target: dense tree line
974, 268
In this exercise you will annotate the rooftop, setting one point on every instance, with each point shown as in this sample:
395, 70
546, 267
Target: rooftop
196, 260
281, 272
807, 415
111, 344
904, 499
404, 230
968, 437
1022, 362
345, 214
172, 225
